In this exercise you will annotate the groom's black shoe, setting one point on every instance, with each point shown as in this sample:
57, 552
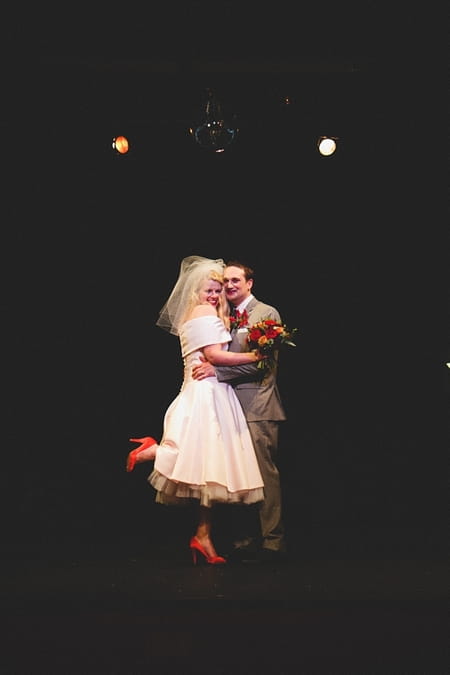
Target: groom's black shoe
244, 551
249, 552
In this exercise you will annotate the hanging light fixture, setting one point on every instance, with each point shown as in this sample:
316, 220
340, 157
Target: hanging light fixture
214, 132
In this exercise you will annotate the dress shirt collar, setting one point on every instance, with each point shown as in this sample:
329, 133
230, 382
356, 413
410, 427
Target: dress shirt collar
240, 308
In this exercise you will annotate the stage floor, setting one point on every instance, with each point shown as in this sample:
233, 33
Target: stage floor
146, 613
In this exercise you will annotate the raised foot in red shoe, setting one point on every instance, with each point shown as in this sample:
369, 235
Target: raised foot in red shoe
145, 443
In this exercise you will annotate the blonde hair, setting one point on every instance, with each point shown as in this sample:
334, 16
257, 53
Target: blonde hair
194, 271
223, 309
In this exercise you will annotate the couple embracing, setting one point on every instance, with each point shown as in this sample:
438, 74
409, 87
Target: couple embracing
220, 434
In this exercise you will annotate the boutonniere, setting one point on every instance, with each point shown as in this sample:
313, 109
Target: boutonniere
239, 320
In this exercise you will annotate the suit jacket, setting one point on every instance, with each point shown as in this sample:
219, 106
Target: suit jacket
255, 388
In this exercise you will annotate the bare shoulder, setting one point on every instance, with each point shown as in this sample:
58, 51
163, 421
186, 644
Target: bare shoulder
202, 310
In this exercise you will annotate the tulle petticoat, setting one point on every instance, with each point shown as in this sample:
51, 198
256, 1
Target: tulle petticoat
179, 494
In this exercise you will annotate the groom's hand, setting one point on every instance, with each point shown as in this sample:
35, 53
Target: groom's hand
203, 369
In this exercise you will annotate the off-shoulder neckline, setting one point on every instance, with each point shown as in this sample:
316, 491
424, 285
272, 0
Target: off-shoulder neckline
196, 318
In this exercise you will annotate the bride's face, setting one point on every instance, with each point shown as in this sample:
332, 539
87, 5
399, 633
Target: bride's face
210, 292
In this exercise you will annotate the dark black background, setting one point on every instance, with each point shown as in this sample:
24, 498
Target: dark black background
350, 249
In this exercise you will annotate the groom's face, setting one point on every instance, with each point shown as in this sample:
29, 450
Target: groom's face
237, 287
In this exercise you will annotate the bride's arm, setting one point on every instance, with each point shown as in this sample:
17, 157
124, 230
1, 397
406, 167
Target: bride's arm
214, 353
219, 357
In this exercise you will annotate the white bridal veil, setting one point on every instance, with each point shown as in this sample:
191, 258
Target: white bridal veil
193, 269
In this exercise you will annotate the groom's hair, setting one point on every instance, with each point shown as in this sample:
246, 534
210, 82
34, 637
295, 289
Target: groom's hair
248, 272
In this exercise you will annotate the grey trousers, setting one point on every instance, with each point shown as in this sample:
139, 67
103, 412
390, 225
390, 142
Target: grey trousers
264, 435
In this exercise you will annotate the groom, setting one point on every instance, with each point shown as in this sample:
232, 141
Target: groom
258, 394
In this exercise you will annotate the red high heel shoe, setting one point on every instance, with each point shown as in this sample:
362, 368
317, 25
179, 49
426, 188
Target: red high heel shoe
145, 442
196, 546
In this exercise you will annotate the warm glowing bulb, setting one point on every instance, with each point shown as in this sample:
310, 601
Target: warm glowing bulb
327, 146
121, 144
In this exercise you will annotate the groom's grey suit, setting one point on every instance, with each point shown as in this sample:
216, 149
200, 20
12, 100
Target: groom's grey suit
258, 394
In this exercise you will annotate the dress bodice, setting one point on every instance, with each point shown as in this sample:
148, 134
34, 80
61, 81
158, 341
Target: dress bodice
197, 333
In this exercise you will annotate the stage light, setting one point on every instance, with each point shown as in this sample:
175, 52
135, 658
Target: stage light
213, 133
327, 145
120, 145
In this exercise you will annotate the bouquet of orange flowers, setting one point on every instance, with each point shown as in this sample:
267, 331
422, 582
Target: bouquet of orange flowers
268, 335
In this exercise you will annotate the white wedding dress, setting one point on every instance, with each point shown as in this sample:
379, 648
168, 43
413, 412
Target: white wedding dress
206, 451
